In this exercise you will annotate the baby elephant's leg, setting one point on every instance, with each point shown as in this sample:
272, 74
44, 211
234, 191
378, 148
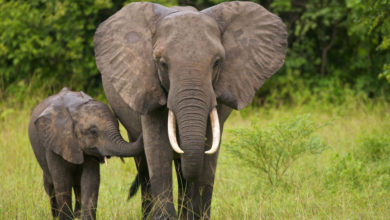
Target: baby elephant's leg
61, 172
49, 188
90, 180
77, 193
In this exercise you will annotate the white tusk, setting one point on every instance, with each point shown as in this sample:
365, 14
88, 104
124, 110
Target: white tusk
105, 161
172, 132
216, 131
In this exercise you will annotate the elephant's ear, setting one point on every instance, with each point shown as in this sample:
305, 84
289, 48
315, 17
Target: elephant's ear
124, 54
56, 132
255, 42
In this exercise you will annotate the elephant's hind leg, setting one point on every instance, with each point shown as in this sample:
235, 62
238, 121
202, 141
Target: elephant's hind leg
144, 181
49, 188
159, 156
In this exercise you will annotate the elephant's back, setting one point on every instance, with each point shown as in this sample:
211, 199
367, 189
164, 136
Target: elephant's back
130, 119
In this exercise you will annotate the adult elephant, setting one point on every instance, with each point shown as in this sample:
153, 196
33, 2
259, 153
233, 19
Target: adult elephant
165, 71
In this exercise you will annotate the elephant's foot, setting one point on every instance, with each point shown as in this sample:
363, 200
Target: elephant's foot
164, 210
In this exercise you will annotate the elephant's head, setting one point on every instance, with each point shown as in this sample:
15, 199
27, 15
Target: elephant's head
74, 124
190, 61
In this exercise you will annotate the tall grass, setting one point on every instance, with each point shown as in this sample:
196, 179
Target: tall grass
350, 179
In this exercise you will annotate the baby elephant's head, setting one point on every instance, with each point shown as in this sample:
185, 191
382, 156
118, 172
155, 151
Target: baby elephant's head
96, 130
74, 124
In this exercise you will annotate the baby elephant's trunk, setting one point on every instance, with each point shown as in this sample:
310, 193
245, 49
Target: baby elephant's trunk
116, 146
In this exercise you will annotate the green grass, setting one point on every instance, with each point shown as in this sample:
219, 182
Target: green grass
338, 183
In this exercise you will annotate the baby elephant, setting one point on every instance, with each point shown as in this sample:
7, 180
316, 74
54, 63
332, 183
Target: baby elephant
71, 133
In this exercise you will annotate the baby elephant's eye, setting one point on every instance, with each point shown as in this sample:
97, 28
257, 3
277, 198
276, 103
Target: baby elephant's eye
93, 130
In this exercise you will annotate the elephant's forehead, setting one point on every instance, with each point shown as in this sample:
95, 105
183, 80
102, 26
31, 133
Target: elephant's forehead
101, 122
193, 32
188, 22
96, 113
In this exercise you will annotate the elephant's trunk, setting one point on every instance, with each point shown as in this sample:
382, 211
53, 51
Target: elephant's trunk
191, 112
116, 146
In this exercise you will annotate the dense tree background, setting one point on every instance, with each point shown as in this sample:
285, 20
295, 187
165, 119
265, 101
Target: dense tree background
333, 45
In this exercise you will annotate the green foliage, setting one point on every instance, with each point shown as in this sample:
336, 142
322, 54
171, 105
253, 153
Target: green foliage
370, 21
49, 44
333, 41
48, 39
273, 149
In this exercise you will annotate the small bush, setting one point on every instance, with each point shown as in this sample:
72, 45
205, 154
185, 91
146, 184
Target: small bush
346, 171
374, 146
272, 150
366, 164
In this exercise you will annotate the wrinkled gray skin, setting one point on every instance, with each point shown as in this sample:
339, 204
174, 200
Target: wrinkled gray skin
154, 58
70, 134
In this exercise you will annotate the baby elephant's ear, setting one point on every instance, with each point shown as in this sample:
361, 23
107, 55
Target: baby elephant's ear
56, 133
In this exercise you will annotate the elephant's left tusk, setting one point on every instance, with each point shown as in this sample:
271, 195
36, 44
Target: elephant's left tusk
216, 131
172, 133
105, 160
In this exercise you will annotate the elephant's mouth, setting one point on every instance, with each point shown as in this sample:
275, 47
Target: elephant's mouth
104, 159
94, 151
215, 131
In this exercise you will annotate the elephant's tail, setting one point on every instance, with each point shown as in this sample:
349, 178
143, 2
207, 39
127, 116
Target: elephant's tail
134, 187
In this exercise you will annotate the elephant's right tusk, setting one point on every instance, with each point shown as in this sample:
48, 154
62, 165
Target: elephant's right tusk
105, 160
172, 132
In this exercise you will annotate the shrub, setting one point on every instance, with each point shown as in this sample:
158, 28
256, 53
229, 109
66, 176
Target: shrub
367, 163
272, 150
345, 171
373, 146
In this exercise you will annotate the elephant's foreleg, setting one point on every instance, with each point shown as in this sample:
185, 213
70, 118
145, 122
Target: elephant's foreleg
202, 190
61, 173
64, 202
159, 156
90, 181
77, 193
49, 188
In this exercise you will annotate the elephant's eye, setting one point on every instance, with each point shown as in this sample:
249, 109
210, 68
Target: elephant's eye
163, 65
216, 65
93, 130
